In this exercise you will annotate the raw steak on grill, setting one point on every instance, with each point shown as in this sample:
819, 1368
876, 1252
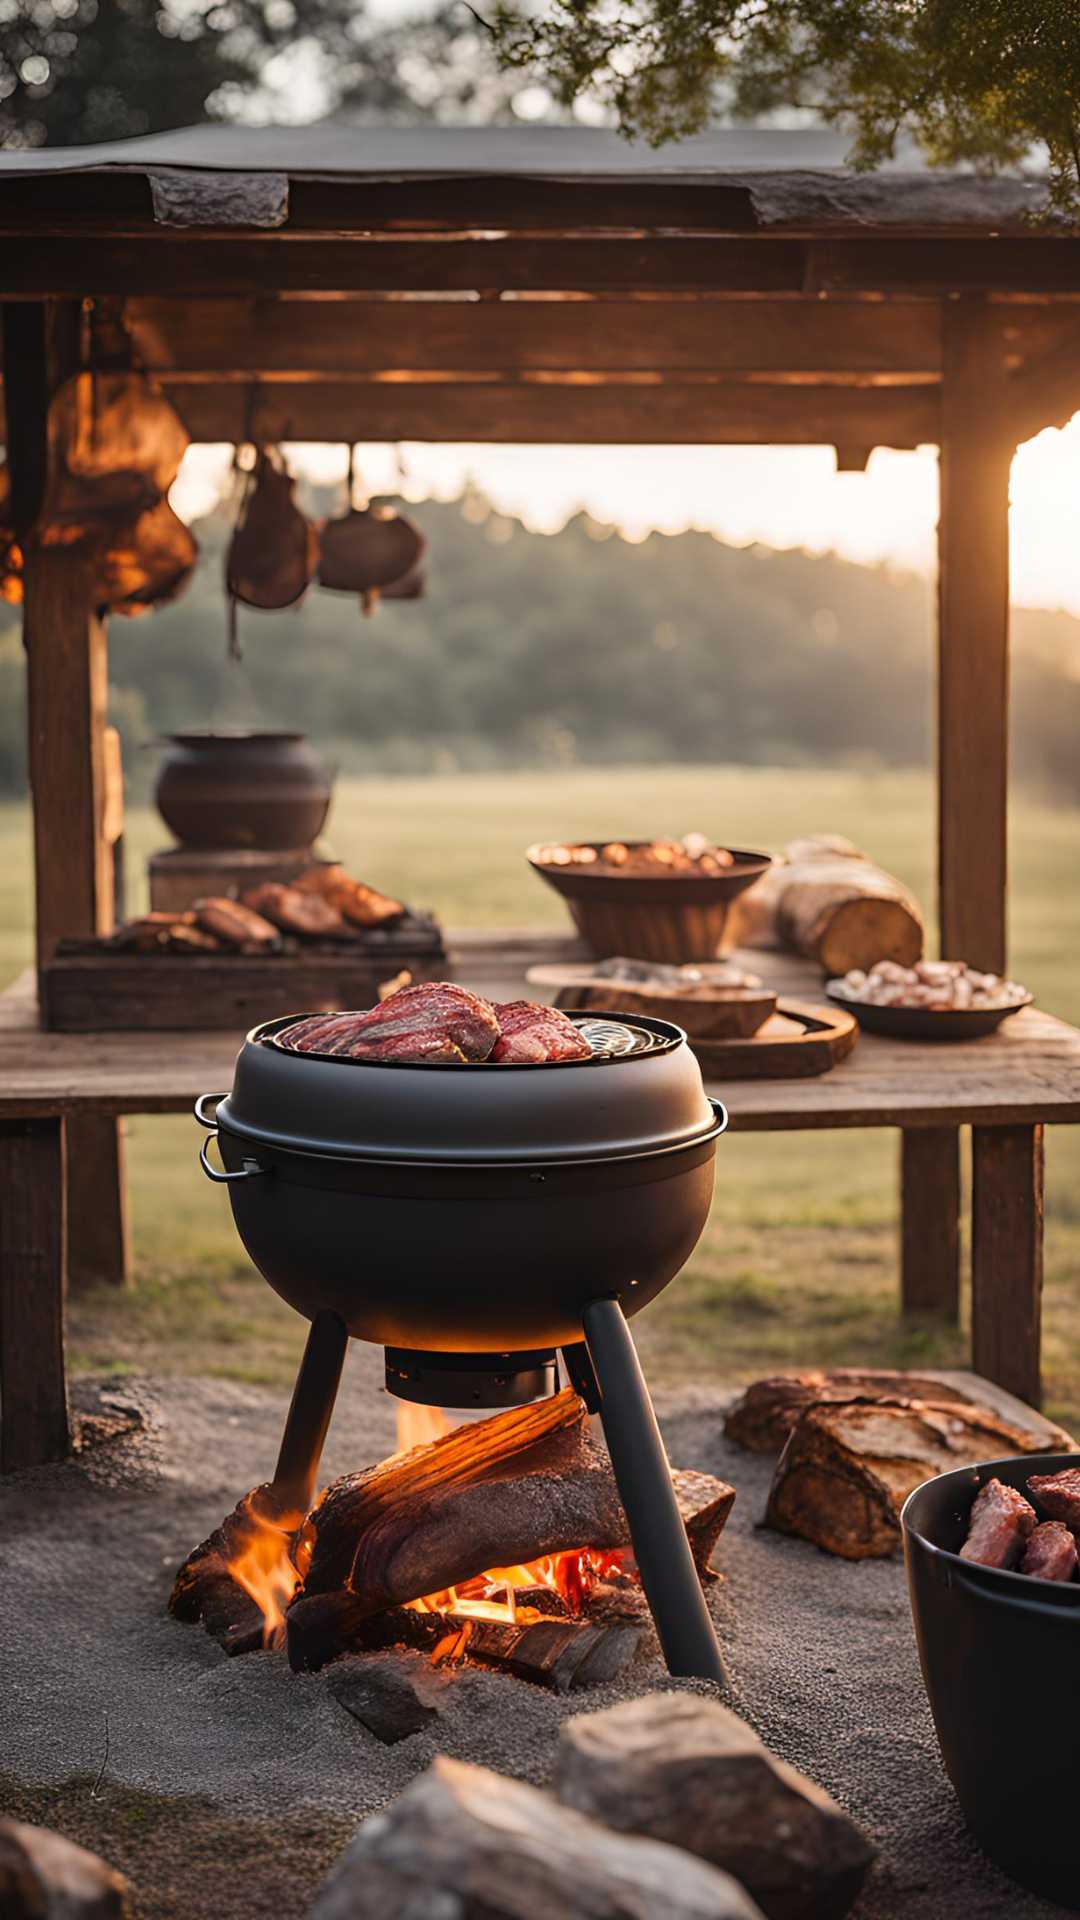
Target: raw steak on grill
529, 1034
1050, 1554
1001, 1521
435, 1022
1058, 1494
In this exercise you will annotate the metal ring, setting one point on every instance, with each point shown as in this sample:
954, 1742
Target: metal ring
201, 1103
720, 1113
249, 1171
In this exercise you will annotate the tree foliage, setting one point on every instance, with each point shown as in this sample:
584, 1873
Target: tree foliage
976, 82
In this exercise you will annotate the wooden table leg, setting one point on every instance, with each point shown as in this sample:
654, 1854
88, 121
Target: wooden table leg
33, 1382
930, 1221
1007, 1256
98, 1246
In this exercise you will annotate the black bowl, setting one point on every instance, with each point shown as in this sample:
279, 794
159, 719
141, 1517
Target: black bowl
1000, 1657
925, 1023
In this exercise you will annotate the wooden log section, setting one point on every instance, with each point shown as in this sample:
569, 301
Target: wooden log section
495, 1493
1007, 1256
973, 638
830, 904
461, 1840
849, 1466
930, 1221
33, 1387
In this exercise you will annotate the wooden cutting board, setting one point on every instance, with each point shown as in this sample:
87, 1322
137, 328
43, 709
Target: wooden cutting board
795, 1043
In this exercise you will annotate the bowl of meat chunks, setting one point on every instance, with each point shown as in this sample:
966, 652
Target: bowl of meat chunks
991, 1556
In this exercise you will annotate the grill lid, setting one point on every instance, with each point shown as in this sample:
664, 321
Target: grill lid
641, 1092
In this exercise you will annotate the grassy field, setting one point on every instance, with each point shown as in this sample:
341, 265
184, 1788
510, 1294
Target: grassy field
799, 1260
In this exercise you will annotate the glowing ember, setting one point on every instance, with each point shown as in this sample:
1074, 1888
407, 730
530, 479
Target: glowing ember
274, 1552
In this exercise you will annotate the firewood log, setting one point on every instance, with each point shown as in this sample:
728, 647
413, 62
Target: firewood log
461, 1840
689, 1772
848, 1467
762, 1418
494, 1493
826, 901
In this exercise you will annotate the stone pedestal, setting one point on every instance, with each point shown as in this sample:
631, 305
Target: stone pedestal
180, 875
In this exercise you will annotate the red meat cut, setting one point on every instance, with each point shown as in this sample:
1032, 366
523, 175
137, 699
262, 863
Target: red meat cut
1001, 1521
433, 1023
529, 1034
1050, 1553
1058, 1494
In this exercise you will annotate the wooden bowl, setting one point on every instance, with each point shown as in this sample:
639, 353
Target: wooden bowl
670, 917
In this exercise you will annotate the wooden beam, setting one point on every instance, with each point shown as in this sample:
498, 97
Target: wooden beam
973, 639
941, 264
930, 1221
549, 413
1045, 392
33, 1386
1007, 1257
67, 689
832, 340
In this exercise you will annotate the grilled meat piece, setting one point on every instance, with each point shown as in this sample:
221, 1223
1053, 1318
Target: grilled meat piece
234, 924
435, 1022
529, 1034
1058, 1494
361, 904
1050, 1553
1001, 1522
150, 932
184, 939
295, 911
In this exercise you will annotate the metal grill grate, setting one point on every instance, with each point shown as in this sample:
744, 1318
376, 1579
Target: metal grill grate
614, 1039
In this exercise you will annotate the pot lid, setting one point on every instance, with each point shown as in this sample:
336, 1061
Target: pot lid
640, 1092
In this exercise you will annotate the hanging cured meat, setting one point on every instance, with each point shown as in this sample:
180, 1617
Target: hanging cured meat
274, 550
147, 563
115, 447
368, 549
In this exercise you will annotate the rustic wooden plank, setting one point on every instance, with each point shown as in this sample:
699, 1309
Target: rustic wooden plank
930, 1221
546, 413
232, 263
930, 263
1007, 1256
1045, 391
99, 1243
33, 1391
67, 692
973, 639
226, 338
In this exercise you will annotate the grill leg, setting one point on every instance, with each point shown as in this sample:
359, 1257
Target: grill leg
640, 1464
309, 1414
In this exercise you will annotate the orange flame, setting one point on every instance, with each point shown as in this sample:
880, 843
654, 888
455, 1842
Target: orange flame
272, 1555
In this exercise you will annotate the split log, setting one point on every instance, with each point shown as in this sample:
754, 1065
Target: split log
560, 1654
848, 1467
462, 1840
690, 1773
45, 1877
494, 1493
826, 901
205, 1590
392, 1698
320, 1627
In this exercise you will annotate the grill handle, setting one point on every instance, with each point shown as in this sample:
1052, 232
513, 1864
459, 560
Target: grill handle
204, 1119
249, 1171
720, 1113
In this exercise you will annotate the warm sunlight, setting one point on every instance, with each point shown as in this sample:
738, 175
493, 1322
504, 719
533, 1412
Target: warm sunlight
782, 496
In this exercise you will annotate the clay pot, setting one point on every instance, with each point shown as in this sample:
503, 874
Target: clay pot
243, 789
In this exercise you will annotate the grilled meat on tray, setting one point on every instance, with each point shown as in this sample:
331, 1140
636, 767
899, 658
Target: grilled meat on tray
294, 910
529, 1034
434, 1022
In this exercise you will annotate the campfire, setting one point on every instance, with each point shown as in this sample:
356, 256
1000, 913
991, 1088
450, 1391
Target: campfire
501, 1541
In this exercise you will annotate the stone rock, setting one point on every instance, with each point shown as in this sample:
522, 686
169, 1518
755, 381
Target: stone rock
688, 1772
392, 1696
462, 1843
45, 1877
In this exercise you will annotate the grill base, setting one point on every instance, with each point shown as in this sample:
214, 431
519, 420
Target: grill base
470, 1379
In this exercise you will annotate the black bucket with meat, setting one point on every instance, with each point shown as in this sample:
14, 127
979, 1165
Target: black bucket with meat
448, 1175
1000, 1656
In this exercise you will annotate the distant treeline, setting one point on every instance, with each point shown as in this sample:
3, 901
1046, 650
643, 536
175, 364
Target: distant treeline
534, 649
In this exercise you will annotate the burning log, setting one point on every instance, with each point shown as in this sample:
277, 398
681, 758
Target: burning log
496, 1493
849, 1466
463, 1840
688, 1772
240, 1578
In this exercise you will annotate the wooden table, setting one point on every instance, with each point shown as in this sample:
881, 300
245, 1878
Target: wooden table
1005, 1087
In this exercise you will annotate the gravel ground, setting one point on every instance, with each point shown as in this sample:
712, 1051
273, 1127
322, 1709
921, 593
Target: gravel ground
821, 1651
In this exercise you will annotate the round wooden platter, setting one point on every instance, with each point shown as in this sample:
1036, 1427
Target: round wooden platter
797, 1041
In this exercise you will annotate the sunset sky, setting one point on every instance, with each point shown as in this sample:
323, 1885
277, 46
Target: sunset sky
783, 496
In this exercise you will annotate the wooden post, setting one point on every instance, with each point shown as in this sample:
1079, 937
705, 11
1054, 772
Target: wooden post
1007, 1256
930, 1221
35, 1424
973, 636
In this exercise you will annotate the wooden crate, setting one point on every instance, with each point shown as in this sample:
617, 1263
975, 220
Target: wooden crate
88, 988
